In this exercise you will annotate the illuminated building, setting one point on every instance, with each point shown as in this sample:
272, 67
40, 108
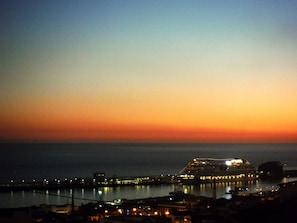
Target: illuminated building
210, 169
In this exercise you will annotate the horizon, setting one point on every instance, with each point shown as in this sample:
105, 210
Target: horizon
137, 71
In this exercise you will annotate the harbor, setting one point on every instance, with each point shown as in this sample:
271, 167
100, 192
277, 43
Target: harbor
198, 171
206, 189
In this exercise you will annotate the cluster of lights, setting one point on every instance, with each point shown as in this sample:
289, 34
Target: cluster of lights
187, 176
207, 161
226, 177
233, 162
140, 210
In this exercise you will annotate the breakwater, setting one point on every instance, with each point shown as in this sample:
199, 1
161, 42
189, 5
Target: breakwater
87, 183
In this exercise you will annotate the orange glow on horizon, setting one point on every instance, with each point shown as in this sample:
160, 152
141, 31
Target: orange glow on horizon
105, 121
123, 133
74, 119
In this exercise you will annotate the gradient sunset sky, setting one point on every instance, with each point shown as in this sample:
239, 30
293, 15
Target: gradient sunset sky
205, 71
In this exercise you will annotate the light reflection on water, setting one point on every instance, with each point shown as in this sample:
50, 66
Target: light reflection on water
82, 196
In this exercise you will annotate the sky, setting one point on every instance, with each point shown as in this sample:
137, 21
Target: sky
199, 71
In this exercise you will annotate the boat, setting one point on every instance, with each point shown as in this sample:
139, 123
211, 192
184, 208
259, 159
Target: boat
218, 169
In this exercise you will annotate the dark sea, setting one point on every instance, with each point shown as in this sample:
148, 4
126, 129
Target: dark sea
38, 161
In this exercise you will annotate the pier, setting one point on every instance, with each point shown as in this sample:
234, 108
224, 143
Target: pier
93, 182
